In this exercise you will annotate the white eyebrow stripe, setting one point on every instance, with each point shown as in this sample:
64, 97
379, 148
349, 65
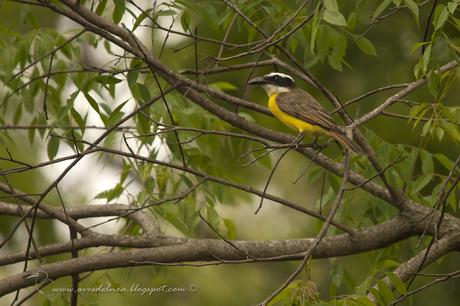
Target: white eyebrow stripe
283, 75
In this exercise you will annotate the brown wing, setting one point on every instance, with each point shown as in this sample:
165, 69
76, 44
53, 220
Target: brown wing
300, 104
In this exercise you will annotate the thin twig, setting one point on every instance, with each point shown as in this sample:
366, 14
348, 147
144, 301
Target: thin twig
320, 235
267, 183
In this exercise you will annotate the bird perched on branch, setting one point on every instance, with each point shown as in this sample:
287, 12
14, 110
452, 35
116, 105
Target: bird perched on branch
299, 110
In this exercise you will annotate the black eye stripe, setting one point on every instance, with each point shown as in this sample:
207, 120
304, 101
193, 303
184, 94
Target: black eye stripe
280, 80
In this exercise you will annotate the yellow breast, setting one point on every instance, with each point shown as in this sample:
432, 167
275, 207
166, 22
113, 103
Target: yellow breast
290, 121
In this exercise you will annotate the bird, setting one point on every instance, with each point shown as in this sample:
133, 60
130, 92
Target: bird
299, 110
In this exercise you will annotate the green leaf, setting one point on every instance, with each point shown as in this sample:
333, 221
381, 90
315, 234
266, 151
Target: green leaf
106, 108
125, 172
78, 119
144, 91
285, 296
452, 6
17, 114
119, 107
448, 79
185, 20
338, 52
223, 85
335, 18
434, 83
31, 132
450, 113
169, 12
212, 216
439, 133
444, 161
149, 185
381, 8
364, 300
413, 7
415, 110
388, 263
427, 127
420, 116
143, 123
141, 18
231, 228
113, 118
111, 194
118, 11
375, 293
314, 31
323, 41
427, 162
420, 183
132, 77
396, 281
426, 59
92, 102
72, 97
352, 20
452, 130
440, 16
365, 45
101, 7
331, 5
53, 147
385, 291
453, 201
418, 71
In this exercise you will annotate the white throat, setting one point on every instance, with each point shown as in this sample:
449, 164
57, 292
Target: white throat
272, 89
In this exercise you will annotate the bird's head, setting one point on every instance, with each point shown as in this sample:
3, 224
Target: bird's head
274, 82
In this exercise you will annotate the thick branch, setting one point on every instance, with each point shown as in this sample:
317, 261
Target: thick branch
51, 211
440, 248
190, 250
91, 211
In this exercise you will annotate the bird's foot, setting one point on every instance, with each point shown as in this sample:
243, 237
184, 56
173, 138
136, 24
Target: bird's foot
297, 141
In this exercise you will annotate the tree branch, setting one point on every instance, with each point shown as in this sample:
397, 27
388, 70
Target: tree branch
410, 88
192, 250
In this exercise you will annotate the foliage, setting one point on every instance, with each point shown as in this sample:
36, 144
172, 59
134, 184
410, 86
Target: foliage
189, 167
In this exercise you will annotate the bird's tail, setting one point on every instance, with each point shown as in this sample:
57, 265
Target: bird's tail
345, 141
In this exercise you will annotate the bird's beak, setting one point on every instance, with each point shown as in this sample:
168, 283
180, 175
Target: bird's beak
257, 81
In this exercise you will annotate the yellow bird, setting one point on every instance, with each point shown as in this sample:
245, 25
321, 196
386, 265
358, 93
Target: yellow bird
299, 110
